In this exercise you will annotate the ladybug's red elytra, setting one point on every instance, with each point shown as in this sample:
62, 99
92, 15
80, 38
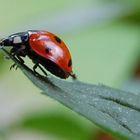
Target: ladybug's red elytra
43, 48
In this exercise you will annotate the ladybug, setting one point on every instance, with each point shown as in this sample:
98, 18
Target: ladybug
45, 49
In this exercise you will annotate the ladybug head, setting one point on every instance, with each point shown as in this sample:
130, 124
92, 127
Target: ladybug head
15, 39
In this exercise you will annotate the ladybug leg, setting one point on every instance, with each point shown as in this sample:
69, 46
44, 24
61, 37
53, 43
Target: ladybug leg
18, 50
12, 52
43, 70
35, 67
20, 59
15, 65
74, 77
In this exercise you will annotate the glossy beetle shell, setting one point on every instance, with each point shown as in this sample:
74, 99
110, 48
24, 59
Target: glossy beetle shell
49, 46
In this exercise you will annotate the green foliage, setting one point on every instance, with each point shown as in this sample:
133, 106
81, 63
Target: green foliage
60, 125
116, 111
113, 49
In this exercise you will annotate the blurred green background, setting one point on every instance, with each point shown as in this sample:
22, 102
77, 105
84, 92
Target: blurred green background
103, 37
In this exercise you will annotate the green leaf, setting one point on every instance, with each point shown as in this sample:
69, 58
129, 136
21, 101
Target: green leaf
115, 111
60, 125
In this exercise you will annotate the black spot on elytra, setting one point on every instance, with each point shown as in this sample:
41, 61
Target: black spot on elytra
48, 50
57, 39
70, 63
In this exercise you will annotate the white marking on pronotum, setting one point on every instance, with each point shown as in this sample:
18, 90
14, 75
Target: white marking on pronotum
17, 39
